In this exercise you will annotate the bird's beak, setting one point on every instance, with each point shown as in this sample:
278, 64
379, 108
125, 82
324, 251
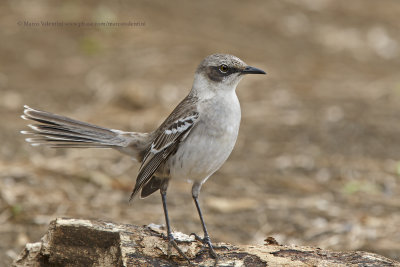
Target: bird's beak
252, 70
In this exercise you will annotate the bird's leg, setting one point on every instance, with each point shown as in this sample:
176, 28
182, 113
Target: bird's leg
206, 239
170, 237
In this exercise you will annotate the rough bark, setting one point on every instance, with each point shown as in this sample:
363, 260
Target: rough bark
76, 242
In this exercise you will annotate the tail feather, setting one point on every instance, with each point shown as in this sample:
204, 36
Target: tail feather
59, 131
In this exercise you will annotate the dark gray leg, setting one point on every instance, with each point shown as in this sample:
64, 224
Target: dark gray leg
206, 240
171, 240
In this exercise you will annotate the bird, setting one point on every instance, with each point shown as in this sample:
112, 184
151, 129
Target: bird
191, 144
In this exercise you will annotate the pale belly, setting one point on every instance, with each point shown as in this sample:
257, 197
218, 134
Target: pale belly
203, 152
209, 143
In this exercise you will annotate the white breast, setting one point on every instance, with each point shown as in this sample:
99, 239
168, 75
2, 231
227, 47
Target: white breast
210, 142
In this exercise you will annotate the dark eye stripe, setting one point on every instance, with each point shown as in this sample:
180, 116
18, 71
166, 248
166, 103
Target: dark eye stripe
229, 71
216, 75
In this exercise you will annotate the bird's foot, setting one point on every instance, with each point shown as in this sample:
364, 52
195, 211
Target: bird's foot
171, 242
207, 242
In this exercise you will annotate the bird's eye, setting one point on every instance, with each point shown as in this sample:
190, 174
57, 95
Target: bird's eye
223, 68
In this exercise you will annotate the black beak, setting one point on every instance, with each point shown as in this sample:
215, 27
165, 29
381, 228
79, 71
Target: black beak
252, 70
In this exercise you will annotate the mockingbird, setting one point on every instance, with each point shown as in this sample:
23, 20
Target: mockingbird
191, 144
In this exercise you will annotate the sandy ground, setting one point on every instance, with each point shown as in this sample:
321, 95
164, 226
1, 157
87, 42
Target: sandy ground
317, 161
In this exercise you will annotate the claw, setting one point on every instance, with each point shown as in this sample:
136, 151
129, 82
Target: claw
206, 242
171, 241
197, 237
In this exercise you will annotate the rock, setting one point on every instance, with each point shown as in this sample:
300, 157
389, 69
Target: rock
77, 242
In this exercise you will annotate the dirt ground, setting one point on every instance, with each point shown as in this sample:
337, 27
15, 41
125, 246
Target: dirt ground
317, 161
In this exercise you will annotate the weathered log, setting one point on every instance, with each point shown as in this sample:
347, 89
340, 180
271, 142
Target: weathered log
77, 242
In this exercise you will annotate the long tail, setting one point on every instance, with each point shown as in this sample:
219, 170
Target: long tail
59, 131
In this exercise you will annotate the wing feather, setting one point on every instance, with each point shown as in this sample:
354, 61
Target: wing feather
167, 140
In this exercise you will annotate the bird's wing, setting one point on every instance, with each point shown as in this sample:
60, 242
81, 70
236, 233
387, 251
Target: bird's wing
168, 136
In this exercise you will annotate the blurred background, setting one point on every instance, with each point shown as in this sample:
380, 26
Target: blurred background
317, 161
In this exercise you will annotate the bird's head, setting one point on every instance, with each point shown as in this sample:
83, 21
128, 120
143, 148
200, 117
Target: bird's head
222, 72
